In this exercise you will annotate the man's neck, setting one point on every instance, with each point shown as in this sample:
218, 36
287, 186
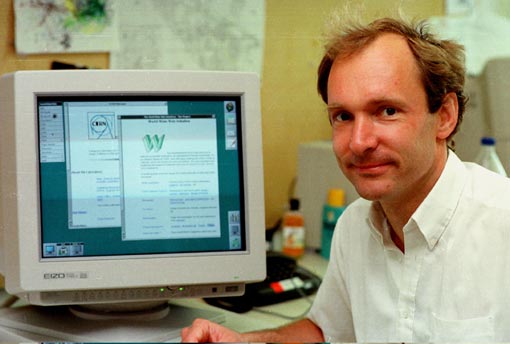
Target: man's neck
398, 239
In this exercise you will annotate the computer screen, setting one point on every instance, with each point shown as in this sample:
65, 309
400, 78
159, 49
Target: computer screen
140, 175
123, 186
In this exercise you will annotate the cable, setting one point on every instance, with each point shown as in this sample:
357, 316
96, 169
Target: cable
9, 301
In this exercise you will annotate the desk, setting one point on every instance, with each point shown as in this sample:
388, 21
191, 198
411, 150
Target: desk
257, 319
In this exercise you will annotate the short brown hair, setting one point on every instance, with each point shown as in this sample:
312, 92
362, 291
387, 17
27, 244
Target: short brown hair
441, 62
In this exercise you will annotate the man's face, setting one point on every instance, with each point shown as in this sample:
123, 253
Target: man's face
384, 137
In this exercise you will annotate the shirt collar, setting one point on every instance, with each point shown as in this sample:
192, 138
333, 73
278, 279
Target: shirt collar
379, 224
435, 212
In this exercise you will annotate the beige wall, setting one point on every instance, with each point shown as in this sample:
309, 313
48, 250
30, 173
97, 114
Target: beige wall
291, 109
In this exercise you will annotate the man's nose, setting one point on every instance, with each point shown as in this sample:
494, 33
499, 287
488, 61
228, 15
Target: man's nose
363, 135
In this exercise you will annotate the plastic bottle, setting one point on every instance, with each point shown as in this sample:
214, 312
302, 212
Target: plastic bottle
332, 210
488, 158
293, 230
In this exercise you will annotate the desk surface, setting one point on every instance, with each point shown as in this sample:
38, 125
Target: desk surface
256, 319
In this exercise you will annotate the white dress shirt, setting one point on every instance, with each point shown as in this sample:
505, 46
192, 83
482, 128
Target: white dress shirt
452, 283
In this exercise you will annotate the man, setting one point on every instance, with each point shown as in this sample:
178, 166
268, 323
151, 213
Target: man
424, 254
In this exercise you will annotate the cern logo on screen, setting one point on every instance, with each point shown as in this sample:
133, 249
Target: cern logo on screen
101, 126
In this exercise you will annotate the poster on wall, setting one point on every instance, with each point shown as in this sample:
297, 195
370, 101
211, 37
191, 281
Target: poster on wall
62, 26
190, 34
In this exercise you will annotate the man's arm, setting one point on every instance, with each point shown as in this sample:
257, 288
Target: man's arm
301, 331
206, 331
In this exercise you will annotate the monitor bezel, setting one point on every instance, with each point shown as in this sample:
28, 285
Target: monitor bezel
22, 266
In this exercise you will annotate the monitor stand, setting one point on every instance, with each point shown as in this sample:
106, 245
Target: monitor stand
58, 323
141, 311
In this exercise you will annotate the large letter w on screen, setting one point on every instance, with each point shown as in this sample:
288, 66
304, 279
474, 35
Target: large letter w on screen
153, 144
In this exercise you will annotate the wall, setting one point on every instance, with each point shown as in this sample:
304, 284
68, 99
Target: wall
291, 109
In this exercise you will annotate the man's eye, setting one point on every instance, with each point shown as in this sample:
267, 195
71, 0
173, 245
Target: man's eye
343, 116
389, 111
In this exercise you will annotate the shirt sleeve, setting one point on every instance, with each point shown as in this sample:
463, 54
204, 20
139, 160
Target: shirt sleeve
331, 310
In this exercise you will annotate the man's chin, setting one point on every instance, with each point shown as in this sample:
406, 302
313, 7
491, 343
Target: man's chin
369, 196
372, 191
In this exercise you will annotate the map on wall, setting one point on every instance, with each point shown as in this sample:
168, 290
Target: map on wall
55, 26
190, 34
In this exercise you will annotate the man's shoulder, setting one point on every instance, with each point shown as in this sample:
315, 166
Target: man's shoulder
483, 177
486, 186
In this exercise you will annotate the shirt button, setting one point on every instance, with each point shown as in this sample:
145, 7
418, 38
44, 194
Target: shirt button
405, 314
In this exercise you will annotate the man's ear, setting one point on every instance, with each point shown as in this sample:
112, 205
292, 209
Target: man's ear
448, 116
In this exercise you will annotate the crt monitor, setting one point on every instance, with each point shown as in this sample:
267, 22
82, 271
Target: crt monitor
130, 186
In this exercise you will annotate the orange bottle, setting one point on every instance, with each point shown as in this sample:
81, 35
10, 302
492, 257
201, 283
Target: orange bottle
293, 230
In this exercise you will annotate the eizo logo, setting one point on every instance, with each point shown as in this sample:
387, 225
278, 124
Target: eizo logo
153, 144
54, 275
65, 275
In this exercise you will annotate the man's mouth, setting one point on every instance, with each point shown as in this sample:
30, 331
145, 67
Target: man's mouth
370, 168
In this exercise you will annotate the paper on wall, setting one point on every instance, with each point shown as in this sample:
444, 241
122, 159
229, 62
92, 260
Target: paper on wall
190, 35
